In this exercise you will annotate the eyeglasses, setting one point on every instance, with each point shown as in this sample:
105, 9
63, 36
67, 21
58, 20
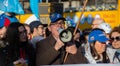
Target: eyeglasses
115, 38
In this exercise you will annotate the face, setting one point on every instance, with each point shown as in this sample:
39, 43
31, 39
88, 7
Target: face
62, 24
100, 47
23, 34
28, 31
40, 30
96, 23
115, 38
77, 36
2, 32
55, 26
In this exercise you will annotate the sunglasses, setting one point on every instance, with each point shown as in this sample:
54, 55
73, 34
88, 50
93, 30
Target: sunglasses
116, 38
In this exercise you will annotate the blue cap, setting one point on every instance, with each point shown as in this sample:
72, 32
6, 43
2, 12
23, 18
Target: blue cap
4, 21
55, 17
97, 35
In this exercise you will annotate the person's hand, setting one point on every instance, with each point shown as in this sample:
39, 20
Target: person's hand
72, 49
20, 61
58, 44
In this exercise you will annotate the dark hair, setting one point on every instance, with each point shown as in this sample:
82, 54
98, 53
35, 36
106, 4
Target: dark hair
96, 56
13, 32
15, 44
85, 32
47, 32
115, 29
94, 52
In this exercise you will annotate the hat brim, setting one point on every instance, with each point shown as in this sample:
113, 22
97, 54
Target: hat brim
103, 39
59, 19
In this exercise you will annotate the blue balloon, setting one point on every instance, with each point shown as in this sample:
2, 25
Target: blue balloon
89, 19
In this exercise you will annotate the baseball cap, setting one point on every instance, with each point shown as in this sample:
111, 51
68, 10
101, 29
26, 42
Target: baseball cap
106, 27
55, 17
97, 35
34, 24
4, 21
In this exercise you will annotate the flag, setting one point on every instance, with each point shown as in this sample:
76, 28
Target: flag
34, 7
39, 1
11, 6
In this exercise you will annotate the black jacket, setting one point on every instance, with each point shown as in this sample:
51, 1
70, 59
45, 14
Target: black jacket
5, 55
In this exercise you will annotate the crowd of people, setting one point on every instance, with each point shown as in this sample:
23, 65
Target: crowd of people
35, 45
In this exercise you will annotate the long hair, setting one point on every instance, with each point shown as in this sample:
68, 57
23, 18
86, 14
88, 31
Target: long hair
13, 33
96, 56
94, 53
15, 44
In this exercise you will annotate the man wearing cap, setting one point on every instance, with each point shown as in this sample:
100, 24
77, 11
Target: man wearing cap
51, 50
4, 22
36, 28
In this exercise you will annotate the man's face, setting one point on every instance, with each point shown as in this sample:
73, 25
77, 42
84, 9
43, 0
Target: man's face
54, 27
40, 29
3, 32
97, 22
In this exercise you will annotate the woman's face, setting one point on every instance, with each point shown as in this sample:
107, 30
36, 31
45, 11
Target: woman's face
115, 38
100, 47
22, 34
28, 31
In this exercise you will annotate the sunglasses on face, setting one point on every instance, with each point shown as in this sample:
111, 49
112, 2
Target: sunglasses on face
115, 38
